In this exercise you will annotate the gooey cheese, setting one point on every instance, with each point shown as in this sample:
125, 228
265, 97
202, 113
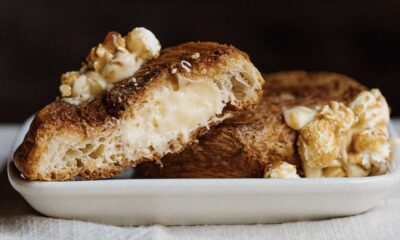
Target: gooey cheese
170, 114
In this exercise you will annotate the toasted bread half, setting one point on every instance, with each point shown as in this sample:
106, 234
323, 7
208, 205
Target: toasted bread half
251, 142
165, 106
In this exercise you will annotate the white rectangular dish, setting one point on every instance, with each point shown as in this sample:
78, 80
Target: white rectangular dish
204, 201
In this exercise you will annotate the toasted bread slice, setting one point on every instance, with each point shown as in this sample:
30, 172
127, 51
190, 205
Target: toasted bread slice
165, 106
250, 143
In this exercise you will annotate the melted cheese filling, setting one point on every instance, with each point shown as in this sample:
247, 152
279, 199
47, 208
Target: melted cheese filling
172, 113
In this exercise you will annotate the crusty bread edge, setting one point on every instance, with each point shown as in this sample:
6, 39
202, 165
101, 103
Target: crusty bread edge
26, 156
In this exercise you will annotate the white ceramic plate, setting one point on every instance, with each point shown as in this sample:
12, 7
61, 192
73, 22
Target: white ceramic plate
204, 201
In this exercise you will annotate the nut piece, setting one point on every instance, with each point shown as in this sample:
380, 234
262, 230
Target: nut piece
318, 144
113, 60
143, 43
113, 41
99, 56
298, 117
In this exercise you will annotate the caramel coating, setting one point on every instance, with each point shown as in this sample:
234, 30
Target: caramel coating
318, 146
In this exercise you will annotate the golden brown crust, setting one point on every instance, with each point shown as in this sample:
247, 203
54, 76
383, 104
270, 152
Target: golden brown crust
246, 144
192, 59
61, 119
58, 118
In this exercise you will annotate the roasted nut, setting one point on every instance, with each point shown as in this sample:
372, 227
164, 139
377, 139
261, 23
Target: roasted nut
113, 41
298, 117
98, 57
107, 63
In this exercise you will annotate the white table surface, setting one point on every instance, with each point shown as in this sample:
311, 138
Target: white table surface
19, 221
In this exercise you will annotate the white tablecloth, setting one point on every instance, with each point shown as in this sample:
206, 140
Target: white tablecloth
19, 221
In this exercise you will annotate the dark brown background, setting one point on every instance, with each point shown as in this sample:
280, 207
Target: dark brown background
42, 39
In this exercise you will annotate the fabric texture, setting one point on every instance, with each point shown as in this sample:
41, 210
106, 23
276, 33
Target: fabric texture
19, 221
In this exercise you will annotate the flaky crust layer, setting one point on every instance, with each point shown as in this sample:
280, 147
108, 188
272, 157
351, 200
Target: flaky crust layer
83, 122
247, 144
181, 59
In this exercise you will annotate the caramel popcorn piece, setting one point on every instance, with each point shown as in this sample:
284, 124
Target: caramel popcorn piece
371, 108
65, 90
111, 61
282, 170
339, 113
341, 141
143, 43
318, 145
369, 140
68, 78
